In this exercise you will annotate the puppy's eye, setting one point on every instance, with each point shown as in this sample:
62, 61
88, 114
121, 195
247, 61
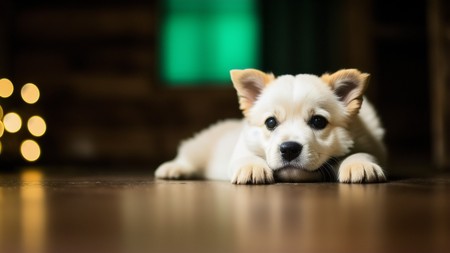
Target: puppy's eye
271, 123
318, 122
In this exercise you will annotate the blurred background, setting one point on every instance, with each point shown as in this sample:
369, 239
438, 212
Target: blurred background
122, 82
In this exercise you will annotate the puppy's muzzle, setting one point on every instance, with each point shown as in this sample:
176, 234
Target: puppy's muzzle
290, 150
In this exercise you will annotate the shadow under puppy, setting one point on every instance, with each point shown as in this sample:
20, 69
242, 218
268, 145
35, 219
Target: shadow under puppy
299, 128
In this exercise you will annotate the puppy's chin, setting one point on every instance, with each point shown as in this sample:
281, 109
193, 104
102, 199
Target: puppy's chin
296, 174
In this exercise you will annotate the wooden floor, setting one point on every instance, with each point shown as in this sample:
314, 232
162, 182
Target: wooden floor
124, 212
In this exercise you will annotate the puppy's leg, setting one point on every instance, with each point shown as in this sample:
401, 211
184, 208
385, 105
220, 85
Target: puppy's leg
196, 153
192, 157
251, 170
360, 168
186, 165
248, 168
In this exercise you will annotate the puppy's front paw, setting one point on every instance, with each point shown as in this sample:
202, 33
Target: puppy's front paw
360, 171
253, 174
173, 170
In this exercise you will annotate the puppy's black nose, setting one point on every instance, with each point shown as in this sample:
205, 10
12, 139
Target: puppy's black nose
290, 150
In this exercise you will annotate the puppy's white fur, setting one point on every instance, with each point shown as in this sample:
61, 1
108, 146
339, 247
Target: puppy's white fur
349, 147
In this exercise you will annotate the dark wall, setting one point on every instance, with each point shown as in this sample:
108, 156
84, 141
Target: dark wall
401, 60
96, 64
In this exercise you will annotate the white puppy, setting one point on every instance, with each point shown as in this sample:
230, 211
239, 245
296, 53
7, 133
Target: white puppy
296, 129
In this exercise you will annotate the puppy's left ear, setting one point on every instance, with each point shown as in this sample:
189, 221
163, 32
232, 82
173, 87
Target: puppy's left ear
349, 86
249, 83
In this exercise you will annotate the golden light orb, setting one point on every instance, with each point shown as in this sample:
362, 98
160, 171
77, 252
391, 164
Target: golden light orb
2, 129
36, 125
30, 93
30, 150
6, 88
12, 122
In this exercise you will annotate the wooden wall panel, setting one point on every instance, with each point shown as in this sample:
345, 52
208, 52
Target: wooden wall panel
439, 37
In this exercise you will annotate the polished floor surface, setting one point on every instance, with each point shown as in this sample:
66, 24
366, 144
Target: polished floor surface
124, 212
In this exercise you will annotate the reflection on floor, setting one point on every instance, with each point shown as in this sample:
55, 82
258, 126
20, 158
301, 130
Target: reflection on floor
43, 212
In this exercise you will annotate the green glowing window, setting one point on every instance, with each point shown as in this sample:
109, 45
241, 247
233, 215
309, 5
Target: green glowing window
201, 40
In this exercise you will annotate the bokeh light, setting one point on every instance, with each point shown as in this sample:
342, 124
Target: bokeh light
30, 150
36, 125
6, 88
30, 93
2, 129
1, 112
12, 122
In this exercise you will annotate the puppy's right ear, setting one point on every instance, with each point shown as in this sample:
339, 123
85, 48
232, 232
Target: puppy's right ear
249, 83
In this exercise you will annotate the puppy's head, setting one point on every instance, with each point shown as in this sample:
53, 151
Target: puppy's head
299, 121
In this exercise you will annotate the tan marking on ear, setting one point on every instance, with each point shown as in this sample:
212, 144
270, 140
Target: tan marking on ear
249, 83
349, 85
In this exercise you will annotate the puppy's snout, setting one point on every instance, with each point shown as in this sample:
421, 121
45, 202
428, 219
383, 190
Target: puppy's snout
290, 150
